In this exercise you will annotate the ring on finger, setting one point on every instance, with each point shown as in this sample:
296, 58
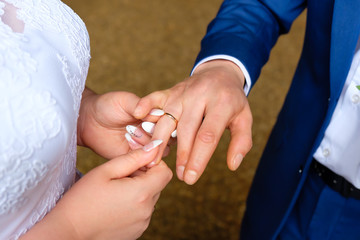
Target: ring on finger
172, 117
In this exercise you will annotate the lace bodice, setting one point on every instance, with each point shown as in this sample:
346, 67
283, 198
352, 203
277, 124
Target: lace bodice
44, 59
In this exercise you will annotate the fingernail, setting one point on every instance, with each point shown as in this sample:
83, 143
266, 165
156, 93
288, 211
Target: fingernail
134, 131
148, 127
190, 177
153, 163
137, 112
174, 134
236, 161
150, 165
157, 112
129, 138
152, 145
180, 172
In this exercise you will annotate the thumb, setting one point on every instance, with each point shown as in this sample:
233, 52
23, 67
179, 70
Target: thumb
142, 108
127, 164
128, 102
153, 100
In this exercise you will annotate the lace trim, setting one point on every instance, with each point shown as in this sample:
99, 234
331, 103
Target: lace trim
69, 161
39, 15
75, 83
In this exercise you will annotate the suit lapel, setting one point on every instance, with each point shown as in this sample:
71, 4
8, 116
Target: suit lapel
344, 36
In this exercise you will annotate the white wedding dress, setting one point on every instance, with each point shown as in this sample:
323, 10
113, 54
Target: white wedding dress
44, 60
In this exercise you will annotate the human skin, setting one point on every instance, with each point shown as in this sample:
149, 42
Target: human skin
205, 104
103, 119
114, 200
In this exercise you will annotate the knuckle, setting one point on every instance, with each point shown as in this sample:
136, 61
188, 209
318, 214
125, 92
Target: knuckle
248, 142
226, 96
169, 175
147, 212
207, 136
251, 120
158, 93
166, 172
201, 88
179, 87
143, 198
249, 116
159, 96
133, 159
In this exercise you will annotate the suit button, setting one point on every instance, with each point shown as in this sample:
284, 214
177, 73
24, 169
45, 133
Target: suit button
326, 152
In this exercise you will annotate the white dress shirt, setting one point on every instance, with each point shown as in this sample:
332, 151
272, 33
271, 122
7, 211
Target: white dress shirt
339, 149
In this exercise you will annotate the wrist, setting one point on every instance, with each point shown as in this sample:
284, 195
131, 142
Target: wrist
54, 224
224, 64
87, 100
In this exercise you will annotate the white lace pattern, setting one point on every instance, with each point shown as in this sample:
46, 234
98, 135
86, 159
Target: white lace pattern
43, 68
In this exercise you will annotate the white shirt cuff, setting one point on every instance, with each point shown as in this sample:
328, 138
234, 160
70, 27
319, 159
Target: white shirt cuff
234, 60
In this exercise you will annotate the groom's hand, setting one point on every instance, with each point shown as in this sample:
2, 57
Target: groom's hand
211, 100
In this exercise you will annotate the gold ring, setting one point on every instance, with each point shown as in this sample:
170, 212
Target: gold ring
172, 117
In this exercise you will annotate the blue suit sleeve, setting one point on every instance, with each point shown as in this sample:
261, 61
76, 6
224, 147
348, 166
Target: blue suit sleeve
248, 29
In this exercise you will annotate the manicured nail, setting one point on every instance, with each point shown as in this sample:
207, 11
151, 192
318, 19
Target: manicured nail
153, 163
150, 146
236, 161
174, 134
190, 177
157, 112
148, 127
180, 172
150, 165
129, 138
134, 131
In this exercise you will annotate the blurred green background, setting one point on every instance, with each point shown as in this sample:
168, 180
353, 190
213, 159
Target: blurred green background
146, 45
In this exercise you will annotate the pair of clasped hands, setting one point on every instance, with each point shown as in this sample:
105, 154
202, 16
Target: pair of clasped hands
117, 199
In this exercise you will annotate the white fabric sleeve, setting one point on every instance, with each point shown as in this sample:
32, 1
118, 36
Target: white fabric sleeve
234, 60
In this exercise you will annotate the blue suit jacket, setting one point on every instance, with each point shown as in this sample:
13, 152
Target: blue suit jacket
247, 30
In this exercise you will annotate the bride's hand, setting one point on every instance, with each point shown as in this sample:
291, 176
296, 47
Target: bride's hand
140, 135
112, 201
102, 121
